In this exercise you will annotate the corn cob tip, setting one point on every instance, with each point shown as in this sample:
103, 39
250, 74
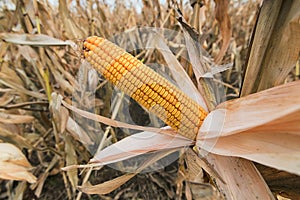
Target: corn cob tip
90, 43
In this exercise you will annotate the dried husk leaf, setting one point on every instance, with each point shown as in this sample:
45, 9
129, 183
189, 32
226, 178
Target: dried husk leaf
138, 144
194, 172
271, 135
257, 109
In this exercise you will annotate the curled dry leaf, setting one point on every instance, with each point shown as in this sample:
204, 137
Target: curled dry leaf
14, 165
196, 164
60, 114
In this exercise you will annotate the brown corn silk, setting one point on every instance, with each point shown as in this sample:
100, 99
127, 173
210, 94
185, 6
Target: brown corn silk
145, 86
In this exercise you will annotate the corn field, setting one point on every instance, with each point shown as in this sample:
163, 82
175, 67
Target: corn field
150, 99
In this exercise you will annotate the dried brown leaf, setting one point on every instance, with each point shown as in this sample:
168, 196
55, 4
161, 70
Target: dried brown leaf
33, 40
108, 186
10, 133
280, 103
5, 80
275, 46
71, 159
28, 53
111, 185
225, 26
14, 165
15, 119
73, 30
241, 179
60, 114
115, 123
195, 165
194, 168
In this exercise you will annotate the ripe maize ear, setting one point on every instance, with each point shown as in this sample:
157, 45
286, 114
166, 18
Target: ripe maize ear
145, 86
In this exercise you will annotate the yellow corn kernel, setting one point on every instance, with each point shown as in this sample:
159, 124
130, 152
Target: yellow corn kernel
145, 86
